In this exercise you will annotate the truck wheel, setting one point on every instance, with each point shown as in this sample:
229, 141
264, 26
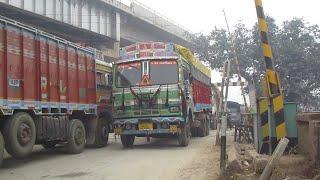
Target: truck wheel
208, 127
184, 135
19, 135
1, 149
211, 122
202, 129
194, 132
102, 133
127, 140
76, 137
49, 144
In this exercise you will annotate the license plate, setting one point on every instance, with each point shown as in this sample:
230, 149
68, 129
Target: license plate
145, 126
173, 128
118, 131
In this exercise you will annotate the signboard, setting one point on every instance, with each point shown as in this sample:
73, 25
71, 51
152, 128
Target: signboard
149, 50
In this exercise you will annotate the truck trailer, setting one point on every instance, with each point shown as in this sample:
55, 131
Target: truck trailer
52, 91
159, 90
215, 106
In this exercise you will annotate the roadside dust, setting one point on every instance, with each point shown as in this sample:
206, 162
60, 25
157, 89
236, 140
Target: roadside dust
160, 159
206, 165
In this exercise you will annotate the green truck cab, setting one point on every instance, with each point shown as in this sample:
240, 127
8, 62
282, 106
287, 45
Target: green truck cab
160, 89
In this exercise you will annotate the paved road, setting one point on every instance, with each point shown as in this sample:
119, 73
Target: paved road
158, 159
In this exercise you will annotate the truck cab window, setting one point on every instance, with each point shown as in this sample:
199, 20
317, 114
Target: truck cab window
102, 79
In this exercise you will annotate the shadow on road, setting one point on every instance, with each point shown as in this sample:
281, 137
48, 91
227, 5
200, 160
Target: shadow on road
39, 154
158, 143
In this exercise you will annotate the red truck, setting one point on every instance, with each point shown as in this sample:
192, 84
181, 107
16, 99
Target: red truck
51, 92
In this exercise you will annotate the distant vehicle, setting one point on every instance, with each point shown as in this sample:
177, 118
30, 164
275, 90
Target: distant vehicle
233, 109
160, 89
51, 92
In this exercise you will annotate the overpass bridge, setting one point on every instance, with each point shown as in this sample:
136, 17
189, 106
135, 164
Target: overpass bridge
103, 24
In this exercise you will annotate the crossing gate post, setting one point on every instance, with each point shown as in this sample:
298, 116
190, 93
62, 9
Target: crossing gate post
274, 92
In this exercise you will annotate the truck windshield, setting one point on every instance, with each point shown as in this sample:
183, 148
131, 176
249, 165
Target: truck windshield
163, 72
129, 74
155, 72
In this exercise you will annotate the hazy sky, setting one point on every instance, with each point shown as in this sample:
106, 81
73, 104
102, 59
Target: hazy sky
204, 15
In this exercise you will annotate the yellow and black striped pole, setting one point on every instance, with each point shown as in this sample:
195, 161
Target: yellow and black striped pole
263, 113
274, 92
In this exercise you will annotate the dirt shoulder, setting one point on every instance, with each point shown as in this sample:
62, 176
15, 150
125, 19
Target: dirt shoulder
206, 165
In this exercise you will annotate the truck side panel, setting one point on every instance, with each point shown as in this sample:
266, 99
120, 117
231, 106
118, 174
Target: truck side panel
53, 72
73, 88
91, 73
14, 64
201, 95
3, 57
44, 69
30, 81
63, 72
40, 71
82, 78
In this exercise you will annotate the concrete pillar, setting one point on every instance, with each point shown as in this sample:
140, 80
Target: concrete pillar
113, 53
118, 26
115, 25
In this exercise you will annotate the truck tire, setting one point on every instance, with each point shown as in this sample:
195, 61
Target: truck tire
49, 144
202, 129
184, 135
20, 135
76, 137
211, 122
102, 133
127, 140
194, 132
1, 148
208, 126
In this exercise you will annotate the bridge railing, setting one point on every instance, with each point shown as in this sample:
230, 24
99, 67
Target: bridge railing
118, 4
159, 19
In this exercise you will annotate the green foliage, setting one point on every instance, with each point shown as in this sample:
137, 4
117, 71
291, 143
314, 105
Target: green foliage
296, 50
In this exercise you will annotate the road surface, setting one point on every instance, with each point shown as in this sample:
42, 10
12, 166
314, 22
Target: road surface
158, 159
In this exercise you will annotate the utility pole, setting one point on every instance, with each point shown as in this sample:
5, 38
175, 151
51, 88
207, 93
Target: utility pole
223, 152
220, 108
235, 57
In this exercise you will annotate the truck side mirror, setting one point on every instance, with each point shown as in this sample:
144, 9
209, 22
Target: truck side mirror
110, 79
190, 78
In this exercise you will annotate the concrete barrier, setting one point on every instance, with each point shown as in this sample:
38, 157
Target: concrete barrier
309, 135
